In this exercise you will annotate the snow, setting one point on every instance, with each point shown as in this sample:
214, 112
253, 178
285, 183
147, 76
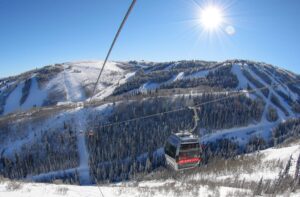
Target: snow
265, 165
175, 187
282, 153
242, 134
32, 134
273, 155
199, 74
285, 89
149, 86
129, 75
79, 116
86, 72
13, 101
73, 87
284, 103
81, 128
105, 92
243, 81
35, 97
72, 81
53, 175
155, 183
77, 75
171, 66
112, 66
179, 76
52, 190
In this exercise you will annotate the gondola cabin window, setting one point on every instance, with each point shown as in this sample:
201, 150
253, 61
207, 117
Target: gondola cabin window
170, 150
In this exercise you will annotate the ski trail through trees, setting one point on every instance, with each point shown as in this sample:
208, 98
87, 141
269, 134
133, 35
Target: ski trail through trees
81, 130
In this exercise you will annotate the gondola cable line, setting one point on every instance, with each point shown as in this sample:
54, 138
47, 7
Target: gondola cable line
107, 56
112, 45
235, 94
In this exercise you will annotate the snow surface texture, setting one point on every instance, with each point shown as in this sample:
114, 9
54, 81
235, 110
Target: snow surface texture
79, 75
173, 187
35, 98
76, 79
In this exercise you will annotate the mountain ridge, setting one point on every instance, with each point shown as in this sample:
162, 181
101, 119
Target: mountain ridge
77, 79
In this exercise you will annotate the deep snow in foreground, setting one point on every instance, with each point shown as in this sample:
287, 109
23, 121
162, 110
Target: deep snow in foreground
51, 190
190, 185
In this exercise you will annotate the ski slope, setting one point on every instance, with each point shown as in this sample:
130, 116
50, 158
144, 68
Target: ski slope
195, 184
35, 98
73, 84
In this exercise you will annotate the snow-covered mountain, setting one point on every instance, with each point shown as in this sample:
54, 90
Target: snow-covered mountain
49, 130
60, 83
73, 82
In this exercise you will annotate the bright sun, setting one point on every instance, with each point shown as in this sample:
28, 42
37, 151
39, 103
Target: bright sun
211, 17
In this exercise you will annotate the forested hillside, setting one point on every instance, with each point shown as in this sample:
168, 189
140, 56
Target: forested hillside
243, 106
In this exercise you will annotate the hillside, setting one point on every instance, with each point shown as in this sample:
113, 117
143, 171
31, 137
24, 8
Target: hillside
49, 130
271, 171
60, 83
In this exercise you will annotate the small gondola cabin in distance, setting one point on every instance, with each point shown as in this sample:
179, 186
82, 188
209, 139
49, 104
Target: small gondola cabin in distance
182, 151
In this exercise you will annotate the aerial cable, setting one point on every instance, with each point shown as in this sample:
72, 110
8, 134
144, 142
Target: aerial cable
112, 45
107, 56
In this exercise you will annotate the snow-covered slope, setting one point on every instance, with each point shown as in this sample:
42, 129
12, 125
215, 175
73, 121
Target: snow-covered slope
66, 130
71, 82
35, 98
241, 179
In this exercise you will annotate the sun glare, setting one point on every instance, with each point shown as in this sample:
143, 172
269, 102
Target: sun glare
211, 17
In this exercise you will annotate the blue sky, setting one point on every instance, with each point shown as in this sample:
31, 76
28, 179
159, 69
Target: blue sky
36, 33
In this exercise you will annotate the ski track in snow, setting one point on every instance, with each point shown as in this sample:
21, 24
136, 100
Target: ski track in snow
263, 128
84, 170
80, 116
284, 103
242, 134
73, 87
243, 82
179, 76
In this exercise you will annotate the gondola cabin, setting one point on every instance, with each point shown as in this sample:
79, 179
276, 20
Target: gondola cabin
182, 151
